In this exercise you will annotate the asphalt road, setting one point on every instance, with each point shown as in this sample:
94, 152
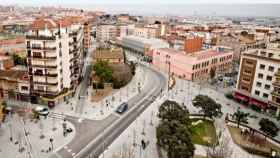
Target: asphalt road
92, 137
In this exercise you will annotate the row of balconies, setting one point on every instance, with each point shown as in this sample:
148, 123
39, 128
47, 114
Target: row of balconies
42, 74
46, 83
44, 66
41, 48
40, 37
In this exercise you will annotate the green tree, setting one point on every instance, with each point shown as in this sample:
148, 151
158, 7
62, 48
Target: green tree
171, 110
103, 71
175, 138
268, 127
240, 117
19, 60
208, 106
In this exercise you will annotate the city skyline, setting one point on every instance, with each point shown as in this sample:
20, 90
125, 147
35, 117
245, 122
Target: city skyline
166, 8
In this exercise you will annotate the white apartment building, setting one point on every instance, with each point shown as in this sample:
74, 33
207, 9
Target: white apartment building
55, 56
106, 32
257, 78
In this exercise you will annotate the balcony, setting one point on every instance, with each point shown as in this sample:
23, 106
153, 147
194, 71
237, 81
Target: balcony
44, 48
46, 83
52, 74
73, 33
277, 74
46, 92
44, 58
45, 66
276, 83
40, 37
275, 93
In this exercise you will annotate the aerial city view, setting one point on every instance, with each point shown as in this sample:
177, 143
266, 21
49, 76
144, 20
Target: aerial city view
139, 79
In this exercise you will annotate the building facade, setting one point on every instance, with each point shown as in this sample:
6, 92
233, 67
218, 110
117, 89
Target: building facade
193, 44
258, 79
195, 66
55, 57
106, 32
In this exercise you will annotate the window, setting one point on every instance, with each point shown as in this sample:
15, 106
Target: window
267, 86
24, 88
269, 78
265, 95
257, 92
260, 76
37, 54
259, 84
262, 66
271, 68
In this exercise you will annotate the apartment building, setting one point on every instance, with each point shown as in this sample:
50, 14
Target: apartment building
258, 79
193, 66
55, 57
147, 32
87, 36
14, 84
106, 32
6, 62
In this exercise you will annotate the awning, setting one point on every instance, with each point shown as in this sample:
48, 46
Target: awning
241, 97
258, 103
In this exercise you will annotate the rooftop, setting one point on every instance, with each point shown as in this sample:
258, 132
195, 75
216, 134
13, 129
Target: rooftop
204, 54
13, 75
108, 54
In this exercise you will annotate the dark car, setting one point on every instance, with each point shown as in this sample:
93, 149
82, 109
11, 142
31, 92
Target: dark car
122, 108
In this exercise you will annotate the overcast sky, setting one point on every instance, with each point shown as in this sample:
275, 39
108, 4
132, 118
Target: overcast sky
166, 7
70, 2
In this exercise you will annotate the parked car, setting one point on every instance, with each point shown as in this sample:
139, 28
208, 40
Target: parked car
41, 110
122, 108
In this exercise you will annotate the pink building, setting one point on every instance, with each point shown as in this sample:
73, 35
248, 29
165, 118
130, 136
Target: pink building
193, 66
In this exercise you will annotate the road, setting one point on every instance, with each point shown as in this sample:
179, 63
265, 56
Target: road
92, 137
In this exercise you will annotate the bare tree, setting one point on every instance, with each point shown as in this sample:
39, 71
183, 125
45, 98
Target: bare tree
126, 152
221, 149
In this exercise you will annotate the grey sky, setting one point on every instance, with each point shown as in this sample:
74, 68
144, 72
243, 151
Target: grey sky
70, 2
166, 7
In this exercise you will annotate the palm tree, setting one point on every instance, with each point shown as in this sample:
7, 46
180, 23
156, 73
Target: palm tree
240, 117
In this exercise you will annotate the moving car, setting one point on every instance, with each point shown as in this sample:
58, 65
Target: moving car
122, 108
41, 110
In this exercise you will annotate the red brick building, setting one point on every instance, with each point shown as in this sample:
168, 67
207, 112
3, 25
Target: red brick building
193, 44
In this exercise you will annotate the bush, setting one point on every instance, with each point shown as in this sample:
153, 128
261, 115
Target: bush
229, 95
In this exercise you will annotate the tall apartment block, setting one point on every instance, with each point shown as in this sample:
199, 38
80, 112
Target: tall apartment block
106, 32
259, 79
87, 36
55, 58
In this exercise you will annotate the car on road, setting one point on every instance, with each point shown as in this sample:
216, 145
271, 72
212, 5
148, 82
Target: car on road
122, 108
41, 110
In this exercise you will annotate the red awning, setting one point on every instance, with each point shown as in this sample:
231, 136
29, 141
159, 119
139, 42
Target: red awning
241, 97
258, 103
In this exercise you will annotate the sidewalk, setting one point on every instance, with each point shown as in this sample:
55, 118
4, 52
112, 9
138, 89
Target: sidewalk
38, 146
143, 128
102, 109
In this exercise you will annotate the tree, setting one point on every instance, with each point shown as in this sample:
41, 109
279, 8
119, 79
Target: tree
208, 106
268, 127
175, 138
19, 60
171, 110
220, 150
173, 133
103, 71
240, 117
